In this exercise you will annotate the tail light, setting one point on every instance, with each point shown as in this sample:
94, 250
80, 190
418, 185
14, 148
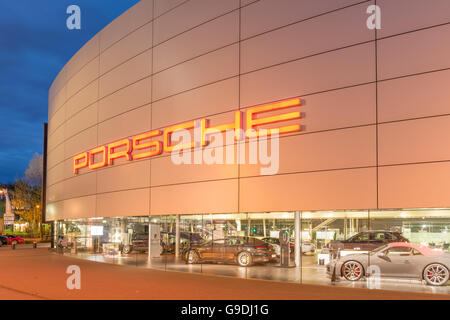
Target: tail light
291, 245
260, 247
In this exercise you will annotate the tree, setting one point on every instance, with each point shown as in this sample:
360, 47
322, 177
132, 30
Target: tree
2, 207
34, 173
26, 197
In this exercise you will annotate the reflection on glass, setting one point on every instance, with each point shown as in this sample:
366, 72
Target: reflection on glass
248, 244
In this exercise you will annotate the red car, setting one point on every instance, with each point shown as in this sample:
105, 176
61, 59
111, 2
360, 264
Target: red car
10, 239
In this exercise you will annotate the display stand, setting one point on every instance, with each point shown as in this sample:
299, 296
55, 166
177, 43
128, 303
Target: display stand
285, 249
154, 239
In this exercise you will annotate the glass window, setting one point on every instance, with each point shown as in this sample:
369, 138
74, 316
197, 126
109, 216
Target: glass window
379, 236
206, 239
231, 241
399, 251
382, 236
375, 251
362, 237
389, 236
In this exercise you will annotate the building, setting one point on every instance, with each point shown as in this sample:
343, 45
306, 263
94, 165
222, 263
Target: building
368, 147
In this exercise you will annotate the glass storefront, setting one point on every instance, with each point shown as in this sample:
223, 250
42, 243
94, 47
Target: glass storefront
385, 249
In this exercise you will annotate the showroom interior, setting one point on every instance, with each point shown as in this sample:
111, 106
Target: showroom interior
366, 167
104, 239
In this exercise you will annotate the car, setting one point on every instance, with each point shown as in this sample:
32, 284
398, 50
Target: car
139, 242
396, 259
275, 243
168, 240
365, 241
11, 239
244, 251
70, 242
308, 247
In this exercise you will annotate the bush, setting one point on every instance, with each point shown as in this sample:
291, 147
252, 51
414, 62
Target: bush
20, 234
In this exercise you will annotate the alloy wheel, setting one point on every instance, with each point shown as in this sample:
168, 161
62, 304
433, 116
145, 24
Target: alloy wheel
192, 257
244, 259
126, 249
352, 270
436, 274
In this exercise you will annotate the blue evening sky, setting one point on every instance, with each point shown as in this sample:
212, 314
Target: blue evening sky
34, 46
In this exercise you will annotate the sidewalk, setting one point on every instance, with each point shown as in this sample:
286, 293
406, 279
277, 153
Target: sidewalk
38, 274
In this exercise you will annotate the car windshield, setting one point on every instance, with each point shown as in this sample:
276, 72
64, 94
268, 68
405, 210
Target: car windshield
378, 250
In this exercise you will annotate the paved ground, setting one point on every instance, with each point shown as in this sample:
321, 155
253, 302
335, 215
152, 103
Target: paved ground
38, 274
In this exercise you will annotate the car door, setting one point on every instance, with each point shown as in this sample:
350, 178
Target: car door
230, 249
213, 250
397, 262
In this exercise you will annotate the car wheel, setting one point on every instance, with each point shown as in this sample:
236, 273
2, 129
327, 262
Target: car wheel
436, 274
192, 257
244, 259
127, 249
352, 270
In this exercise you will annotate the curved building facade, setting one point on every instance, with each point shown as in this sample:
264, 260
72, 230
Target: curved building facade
362, 114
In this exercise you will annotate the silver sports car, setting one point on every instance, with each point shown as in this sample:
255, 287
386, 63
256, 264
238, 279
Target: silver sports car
397, 259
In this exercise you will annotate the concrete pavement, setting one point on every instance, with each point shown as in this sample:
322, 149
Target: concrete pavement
39, 274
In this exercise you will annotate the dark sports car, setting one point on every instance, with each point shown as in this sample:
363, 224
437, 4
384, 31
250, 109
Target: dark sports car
244, 251
366, 241
398, 259
139, 242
